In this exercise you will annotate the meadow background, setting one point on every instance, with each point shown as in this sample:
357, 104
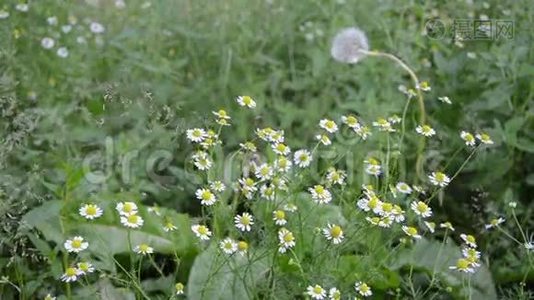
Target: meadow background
161, 67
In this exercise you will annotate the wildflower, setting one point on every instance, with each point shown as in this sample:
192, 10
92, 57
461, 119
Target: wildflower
244, 221
62, 52
126, 208
206, 197
425, 130
494, 223
76, 244
394, 119
168, 226
22, 7
383, 125
411, 231
154, 210
96, 27
90, 211
529, 245
385, 221
323, 139
371, 203
228, 246
201, 232
71, 274
316, 292
246, 101
423, 86
351, 121
484, 138
283, 164
4, 14
143, 249
286, 239
470, 252
49, 297
386, 209
463, 265
222, 117
85, 267
268, 192
374, 220
217, 186
320, 195
512, 204
372, 167
397, 213
469, 240
403, 188
363, 132
431, 226
290, 207
279, 217
302, 158
349, 45
334, 294
363, 289
248, 186
196, 135
179, 287
421, 209
447, 225
242, 247
445, 99
202, 161
328, 125
439, 179
264, 172
132, 221
281, 149
333, 233
248, 146
468, 138
336, 176
47, 43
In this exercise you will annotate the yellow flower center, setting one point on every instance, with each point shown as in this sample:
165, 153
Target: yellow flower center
470, 239
330, 124
440, 177
83, 266
422, 207
90, 210
132, 219
336, 231
245, 220
303, 157
317, 289
179, 286
71, 272
373, 202
127, 207
281, 147
411, 231
143, 248
351, 120
462, 264
319, 189
387, 207
242, 246
76, 243
247, 100
288, 237
206, 195
202, 230
249, 182
364, 288
280, 214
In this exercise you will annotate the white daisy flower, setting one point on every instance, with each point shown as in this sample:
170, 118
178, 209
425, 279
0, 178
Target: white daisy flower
316, 292
217, 186
268, 192
431, 226
48, 43
279, 217
469, 240
196, 135
244, 221
96, 27
62, 52
439, 179
76, 244
383, 125
445, 99
468, 138
425, 130
206, 197
228, 246
320, 194
494, 223
333, 233
281, 149
248, 146
394, 119
242, 248
336, 176
411, 231
363, 132
168, 226
302, 158
90, 211
351, 121
463, 265
372, 167
246, 101
484, 138
421, 209
71, 274
323, 139
290, 207
423, 86
447, 225
201, 231
363, 289
328, 125
283, 164
470, 252
264, 172
349, 45
334, 294
202, 161
286, 239
126, 208
403, 188
48, 296
132, 221
143, 249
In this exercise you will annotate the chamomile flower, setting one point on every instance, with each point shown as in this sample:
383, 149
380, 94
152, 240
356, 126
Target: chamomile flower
372, 167
248, 146
179, 287
463, 265
302, 158
336, 176
90, 211
143, 249
320, 194
468, 138
424, 86
268, 192
328, 125
85, 267
421, 209
196, 135
439, 179
126, 208
96, 27
264, 172
316, 292
334, 294
370, 203
48, 296
470, 253
248, 185
349, 45
397, 213
363, 132
333, 233
47, 43
290, 207
246, 101
228, 246
425, 130
168, 226
383, 125
323, 139
469, 240
447, 225
445, 99
403, 188
351, 121
529, 246
394, 119
484, 138
71, 274
201, 231
242, 248
22, 7
132, 221
279, 217
222, 117
76, 244
206, 197
363, 289
281, 149
62, 52
217, 186
286, 240
494, 223
431, 226
244, 221
283, 164
411, 231
154, 210
374, 220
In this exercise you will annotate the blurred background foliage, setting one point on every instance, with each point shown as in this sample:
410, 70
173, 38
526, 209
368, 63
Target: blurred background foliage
160, 67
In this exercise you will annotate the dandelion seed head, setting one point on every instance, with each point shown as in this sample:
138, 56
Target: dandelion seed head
348, 45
